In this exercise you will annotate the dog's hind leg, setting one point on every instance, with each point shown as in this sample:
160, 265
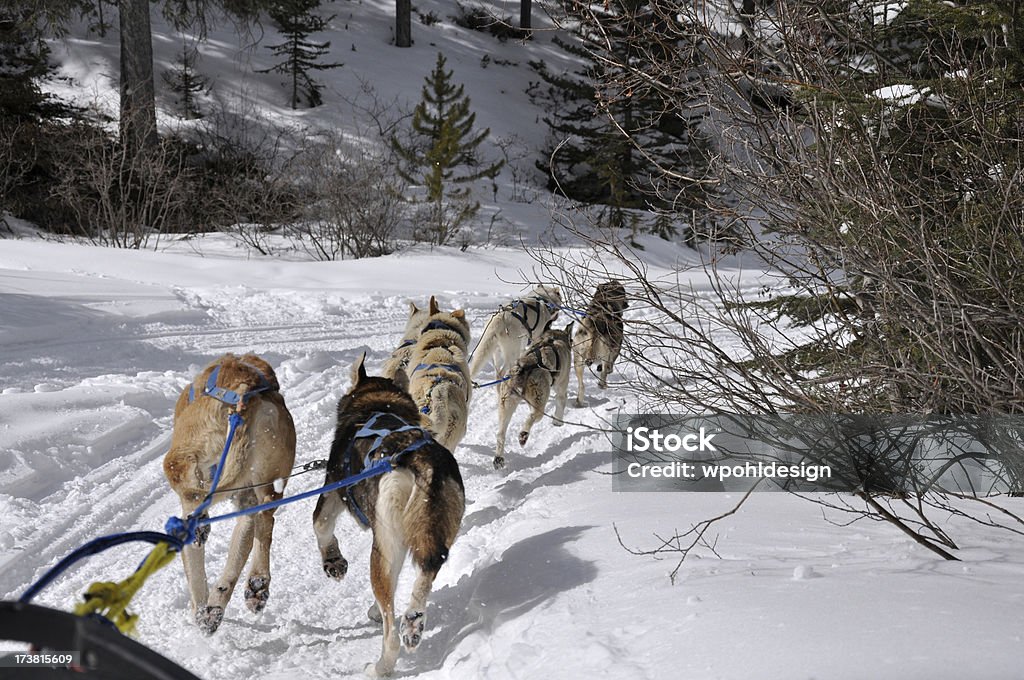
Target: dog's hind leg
537, 398
561, 395
210, 617
430, 546
257, 588
193, 559
508, 400
579, 377
386, 559
325, 517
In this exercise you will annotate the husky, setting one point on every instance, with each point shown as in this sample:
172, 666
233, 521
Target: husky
417, 507
439, 375
397, 366
512, 327
544, 364
599, 337
263, 450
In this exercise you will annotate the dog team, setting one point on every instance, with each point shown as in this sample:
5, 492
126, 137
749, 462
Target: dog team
414, 416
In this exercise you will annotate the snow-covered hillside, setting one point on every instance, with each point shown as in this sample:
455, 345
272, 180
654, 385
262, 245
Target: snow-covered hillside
96, 344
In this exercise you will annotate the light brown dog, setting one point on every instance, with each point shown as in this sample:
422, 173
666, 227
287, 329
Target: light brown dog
397, 366
439, 374
263, 450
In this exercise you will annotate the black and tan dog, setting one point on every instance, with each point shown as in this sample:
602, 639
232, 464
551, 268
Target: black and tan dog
262, 451
599, 337
417, 507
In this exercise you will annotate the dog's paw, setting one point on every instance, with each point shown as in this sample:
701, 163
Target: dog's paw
209, 618
256, 593
377, 670
373, 613
412, 629
579, 403
202, 533
499, 462
523, 436
336, 567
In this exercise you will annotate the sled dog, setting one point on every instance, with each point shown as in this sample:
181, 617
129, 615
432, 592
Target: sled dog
439, 375
397, 366
599, 336
544, 364
263, 450
417, 507
514, 326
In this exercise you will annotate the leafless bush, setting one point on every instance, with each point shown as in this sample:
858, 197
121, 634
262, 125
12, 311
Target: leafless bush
355, 205
248, 186
119, 196
891, 225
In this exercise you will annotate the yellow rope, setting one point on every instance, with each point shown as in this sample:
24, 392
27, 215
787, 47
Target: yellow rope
111, 599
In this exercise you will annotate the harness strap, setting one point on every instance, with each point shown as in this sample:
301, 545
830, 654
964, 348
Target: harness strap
527, 308
438, 325
229, 397
368, 430
427, 367
537, 352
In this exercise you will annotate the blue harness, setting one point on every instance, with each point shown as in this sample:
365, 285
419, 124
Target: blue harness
229, 397
369, 430
438, 380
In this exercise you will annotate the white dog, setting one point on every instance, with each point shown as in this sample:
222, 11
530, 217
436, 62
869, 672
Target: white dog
514, 326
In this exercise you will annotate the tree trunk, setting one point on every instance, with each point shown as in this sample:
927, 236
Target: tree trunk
525, 9
138, 103
403, 23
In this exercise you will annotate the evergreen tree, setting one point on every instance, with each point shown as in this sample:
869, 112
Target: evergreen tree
23, 61
185, 82
296, 22
442, 152
612, 141
911, 209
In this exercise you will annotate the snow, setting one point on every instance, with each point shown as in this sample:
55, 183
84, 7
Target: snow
97, 344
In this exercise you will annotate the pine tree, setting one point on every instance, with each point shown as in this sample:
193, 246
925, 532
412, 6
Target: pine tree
23, 61
442, 152
185, 82
296, 22
610, 141
910, 203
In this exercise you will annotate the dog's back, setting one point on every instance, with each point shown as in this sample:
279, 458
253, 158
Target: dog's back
439, 374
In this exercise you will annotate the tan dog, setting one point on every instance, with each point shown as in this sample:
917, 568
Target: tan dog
262, 451
599, 337
439, 375
543, 366
397, 366
417, 507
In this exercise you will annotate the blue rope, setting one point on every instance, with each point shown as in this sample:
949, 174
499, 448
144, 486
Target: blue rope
493, 382
182, 532
94, 547
582, 315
